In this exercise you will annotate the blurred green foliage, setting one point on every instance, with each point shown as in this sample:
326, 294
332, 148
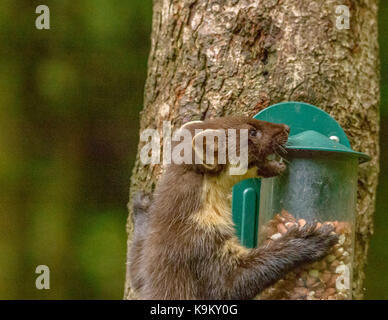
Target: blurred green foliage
69, 107
376, 272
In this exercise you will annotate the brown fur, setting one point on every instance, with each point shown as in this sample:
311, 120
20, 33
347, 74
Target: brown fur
184, 244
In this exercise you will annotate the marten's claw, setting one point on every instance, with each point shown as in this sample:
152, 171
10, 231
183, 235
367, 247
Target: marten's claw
314, 242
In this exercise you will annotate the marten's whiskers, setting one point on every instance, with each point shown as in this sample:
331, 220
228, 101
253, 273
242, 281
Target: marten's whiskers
281, 148
284, 159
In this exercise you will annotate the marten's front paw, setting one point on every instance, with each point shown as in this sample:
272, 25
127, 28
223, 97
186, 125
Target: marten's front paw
312, 240
271, 167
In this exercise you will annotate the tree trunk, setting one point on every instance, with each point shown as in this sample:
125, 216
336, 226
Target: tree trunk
214, 58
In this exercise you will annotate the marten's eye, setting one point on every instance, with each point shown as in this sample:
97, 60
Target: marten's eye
255, 133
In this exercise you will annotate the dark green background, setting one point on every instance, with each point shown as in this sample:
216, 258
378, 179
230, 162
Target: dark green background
69, 108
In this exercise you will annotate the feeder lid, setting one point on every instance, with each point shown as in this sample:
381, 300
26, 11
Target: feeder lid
313, 140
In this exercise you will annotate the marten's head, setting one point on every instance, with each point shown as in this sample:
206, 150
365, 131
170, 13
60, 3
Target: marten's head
218, 143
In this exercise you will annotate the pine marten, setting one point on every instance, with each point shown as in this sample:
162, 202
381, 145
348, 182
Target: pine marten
184, 244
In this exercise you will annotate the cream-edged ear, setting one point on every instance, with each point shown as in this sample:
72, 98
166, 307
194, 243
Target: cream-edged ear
190, 123
206, 152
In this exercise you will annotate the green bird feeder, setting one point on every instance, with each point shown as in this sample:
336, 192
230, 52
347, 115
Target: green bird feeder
319, 185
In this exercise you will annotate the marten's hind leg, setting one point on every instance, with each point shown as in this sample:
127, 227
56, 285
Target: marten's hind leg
141, 206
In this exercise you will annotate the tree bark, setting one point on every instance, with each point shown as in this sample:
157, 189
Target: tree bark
215, 58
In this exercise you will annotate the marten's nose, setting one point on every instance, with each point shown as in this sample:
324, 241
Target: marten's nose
286, 128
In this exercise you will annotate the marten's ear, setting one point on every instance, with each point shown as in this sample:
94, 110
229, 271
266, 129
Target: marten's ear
210, 149
190, 123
